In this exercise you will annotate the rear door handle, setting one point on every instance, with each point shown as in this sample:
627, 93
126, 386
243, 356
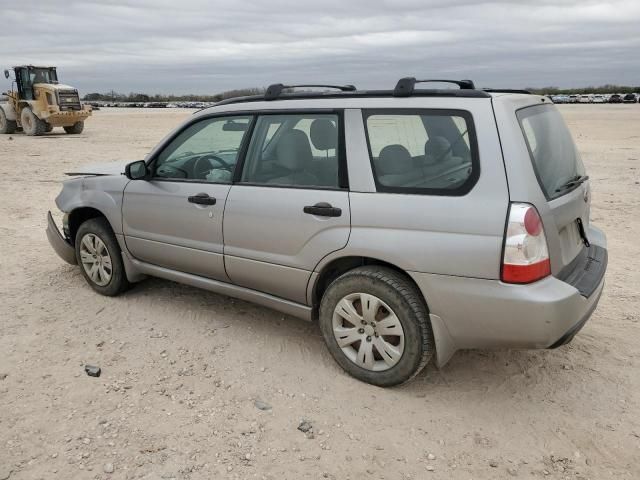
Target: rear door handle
323, 209
202, 199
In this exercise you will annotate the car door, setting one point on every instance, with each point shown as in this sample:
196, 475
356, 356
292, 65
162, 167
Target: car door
174, 218
289, 207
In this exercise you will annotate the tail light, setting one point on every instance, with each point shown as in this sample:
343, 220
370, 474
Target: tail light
526, 257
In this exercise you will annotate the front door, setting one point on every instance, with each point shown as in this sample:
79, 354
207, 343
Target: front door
174, 219
290, 206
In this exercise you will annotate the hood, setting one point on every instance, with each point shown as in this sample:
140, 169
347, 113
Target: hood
109, 168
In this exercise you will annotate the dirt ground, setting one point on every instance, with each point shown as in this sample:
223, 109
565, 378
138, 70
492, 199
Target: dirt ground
182, 368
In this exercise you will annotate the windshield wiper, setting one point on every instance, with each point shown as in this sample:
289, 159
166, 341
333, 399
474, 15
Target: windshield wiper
573, 182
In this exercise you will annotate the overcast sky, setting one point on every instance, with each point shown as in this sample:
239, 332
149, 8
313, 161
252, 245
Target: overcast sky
207, 46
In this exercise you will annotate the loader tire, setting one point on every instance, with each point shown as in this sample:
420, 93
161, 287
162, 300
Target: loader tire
75, 129
6, 125
31, 124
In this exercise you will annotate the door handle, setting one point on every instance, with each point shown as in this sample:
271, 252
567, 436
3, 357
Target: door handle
202, 199
323, 209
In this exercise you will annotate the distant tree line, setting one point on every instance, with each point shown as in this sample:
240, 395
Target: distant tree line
241, 92
143, 97
585, 90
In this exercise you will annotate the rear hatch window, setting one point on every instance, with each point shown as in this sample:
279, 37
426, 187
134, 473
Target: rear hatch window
555, 158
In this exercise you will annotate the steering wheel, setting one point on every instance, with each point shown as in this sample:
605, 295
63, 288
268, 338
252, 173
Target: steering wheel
200, 169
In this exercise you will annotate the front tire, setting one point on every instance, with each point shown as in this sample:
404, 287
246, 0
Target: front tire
376, 326
48, 127
100, 258
32, 125
7, 126
75, 129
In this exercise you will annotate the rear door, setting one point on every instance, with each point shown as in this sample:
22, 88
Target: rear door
561, 176
289, 207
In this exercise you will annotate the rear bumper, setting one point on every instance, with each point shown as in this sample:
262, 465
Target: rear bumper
62, 247
477, 313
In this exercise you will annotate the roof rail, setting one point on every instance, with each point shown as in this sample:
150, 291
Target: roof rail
406, 86
274, 91
506, 90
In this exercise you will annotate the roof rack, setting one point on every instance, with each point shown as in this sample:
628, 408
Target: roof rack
406, 86
506, 90
274, 91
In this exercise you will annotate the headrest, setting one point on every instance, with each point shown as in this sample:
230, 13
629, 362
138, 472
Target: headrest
394, 159
436, 150
324, 134
293, 150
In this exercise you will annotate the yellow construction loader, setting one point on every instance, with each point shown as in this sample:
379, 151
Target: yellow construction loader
37, 103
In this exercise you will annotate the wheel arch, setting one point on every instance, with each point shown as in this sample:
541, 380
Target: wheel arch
80, 215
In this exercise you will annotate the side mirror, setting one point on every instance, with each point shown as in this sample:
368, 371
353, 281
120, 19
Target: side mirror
6, 74
136, 170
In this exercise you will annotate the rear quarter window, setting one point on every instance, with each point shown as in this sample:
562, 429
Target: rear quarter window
422, 151
553, 153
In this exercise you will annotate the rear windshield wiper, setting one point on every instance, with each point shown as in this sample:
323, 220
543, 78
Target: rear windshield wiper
575, 181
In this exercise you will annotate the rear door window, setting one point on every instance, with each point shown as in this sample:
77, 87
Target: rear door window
422, 151
555, 158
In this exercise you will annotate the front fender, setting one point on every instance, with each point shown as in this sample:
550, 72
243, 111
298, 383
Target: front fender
102, 193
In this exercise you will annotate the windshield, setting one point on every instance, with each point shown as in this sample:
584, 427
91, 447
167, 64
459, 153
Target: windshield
553, 153
42, 75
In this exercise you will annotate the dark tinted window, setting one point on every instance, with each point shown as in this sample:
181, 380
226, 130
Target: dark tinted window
294, 150
422, 151
555, 157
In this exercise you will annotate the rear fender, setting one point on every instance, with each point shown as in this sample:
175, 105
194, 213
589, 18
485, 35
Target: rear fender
9, 111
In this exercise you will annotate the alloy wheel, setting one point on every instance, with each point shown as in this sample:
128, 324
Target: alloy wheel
368, 331
95, 259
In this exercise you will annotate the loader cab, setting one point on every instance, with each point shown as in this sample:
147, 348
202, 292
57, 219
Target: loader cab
27, 76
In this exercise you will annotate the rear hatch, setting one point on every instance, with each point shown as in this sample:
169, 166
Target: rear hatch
561, 176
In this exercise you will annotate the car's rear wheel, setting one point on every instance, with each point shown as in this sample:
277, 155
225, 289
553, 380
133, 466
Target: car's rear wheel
99, 257
6, 125
375, 324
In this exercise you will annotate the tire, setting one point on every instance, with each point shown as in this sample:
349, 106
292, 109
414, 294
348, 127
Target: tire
87, 248
48, 127
7, 126
400, 302
31, 124
75, 129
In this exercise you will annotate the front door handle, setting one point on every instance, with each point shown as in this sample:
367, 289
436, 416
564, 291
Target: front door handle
202, 199
323, 209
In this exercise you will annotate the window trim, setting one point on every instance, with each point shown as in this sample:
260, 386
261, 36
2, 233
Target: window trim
463, 189
241, 151
341, 151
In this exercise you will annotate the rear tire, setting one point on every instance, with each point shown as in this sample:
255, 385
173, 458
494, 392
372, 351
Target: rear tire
31, 125
48, 127
7, 126
75, 129
99, 257
393, 327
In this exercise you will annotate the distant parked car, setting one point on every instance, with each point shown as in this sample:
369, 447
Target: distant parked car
585, 99
615, 98
573, 98
630, 98
598, 99
560, 99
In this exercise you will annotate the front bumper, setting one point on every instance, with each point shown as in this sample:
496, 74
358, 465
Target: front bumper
478, 313
60, 244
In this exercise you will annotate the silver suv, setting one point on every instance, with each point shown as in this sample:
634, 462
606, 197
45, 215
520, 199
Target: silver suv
409, 223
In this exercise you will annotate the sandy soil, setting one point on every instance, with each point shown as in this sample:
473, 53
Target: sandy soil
182, 367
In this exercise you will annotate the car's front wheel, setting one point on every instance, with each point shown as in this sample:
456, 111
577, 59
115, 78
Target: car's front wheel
375, 324
99, 257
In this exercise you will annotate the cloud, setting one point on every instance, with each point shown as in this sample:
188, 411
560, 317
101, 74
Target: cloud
200, 46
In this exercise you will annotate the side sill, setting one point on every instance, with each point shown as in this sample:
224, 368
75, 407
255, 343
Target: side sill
297, 310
